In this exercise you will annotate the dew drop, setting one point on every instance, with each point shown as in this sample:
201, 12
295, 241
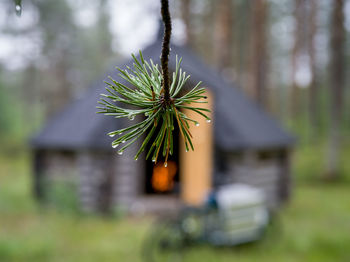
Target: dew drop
115, 145
196, 124
123, 141
165, 164
208, 120
186, 150
131, 117
153, 160
18, 10
111, 135
120, 152
136, 158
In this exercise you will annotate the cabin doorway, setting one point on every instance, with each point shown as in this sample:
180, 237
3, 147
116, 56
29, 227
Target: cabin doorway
161, 180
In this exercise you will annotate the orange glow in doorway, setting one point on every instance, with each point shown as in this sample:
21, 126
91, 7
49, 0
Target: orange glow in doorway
163, 177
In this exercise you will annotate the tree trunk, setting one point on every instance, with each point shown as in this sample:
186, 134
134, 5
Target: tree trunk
29, 96
186, 17
296, 53
223, 34
243, 38
336, 88
313, 92
259, 61
61, 92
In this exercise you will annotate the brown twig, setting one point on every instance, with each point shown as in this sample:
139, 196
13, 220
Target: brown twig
166, 49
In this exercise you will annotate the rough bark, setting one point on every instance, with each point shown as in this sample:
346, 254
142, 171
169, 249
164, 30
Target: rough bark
223, 34
38, 171
296, 52
242, 40
164, 59
186, 17
337, 80
259, 52
313, 90
63, 93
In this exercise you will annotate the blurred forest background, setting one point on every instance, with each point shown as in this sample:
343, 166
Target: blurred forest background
291, 56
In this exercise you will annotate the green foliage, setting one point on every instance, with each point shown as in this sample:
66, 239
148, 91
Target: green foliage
63, 195
147, 99
309, 165
313, 227
10, 122
5, 109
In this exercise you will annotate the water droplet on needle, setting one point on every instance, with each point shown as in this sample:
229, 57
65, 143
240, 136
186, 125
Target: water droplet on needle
18, 10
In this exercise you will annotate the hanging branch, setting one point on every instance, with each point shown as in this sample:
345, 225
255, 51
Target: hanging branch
155, 99
166, 48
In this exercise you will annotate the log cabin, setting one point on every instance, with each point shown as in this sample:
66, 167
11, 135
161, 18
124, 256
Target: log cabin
242, 144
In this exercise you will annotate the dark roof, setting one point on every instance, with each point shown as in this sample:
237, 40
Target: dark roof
238, 122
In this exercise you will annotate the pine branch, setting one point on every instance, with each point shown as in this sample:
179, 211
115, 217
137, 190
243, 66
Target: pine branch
156, 100
166, 49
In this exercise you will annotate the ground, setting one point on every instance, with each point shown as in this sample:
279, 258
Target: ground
314, 226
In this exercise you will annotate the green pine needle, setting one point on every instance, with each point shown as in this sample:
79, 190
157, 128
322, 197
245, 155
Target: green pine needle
146, 98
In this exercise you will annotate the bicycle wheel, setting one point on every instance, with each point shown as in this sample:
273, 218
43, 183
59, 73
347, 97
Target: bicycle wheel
164, 243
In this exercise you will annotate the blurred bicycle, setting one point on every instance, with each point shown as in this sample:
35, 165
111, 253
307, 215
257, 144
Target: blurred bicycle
234, 214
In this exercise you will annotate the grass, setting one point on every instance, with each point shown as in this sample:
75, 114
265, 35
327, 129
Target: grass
314, 226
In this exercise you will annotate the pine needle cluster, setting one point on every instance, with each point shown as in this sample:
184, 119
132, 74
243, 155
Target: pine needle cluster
158, 115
